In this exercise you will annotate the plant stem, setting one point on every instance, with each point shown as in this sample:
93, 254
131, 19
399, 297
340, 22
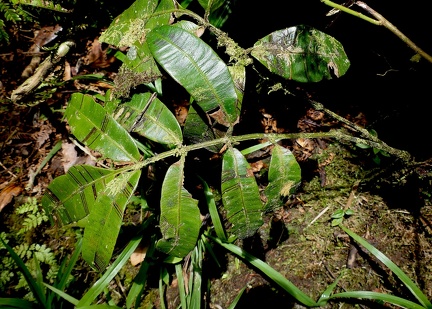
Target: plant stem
350, 11
384, 22
272, 137
379, 21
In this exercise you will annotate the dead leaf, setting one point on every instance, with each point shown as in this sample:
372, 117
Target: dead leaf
138, 255
7, 194
70, 155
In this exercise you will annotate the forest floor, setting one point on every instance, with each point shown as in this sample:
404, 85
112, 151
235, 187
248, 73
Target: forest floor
391, 202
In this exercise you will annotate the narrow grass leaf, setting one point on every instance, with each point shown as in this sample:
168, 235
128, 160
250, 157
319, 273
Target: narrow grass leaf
270, 272
139, 282
181, 285
62, 294
415, 290
16, 303
214, 214
395, 300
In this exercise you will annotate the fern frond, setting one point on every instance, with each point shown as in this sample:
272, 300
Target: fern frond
22, 250
30, 206
35, 215
43, 254
43, 4
11, 15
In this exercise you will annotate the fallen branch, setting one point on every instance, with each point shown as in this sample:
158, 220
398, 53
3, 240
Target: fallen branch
41, 72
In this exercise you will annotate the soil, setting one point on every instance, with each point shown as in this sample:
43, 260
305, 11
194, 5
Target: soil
391, 202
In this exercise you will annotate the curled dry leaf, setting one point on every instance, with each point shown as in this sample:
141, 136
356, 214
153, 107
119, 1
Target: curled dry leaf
138, 255
8, 193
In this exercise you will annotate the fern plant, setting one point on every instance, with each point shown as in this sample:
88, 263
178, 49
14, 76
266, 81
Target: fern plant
12, 11
8, 14
29, 216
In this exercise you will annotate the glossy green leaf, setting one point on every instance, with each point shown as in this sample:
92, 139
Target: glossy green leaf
215, 4
138, 66
149, 117
240, 195
194, 64
95, 128
284, 177
133, 24
180, 217
302, 53
70, 197
238, 74
106, 218
197, 129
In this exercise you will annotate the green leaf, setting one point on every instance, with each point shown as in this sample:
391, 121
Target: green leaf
215, 4
240, 195
284, 176
399, 301
138, 61
44, 4
135, 22
70, 197
338, 214
180, 217
149, 117
16, 303
95, 128
214, 214
105, 219
194, 65
238, 74
301, 53
415, 290
197, 129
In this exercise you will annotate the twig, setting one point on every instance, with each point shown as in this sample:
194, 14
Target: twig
379, 21
384, 22
40, 73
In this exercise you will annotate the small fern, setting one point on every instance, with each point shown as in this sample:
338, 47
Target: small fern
43, 4
30, 216
35, 215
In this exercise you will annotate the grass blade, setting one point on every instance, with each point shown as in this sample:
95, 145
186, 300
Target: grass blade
415, 290
273, 275
401, 302
99, 286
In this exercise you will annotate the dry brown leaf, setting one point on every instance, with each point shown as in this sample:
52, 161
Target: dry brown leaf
7, 194
138, 255
70, 155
